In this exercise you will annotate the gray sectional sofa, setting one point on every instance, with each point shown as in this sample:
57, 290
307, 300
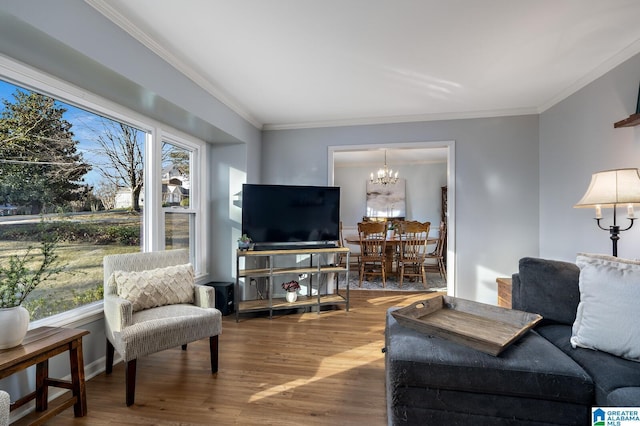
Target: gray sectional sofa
539, 380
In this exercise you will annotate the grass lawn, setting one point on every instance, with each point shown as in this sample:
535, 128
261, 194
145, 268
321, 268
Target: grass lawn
87, 238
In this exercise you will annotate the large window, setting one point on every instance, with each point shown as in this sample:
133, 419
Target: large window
79, 172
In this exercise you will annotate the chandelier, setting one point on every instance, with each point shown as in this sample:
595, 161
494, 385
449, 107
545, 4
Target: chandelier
385, 175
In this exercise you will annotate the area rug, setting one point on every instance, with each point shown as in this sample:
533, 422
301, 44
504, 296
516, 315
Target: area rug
434, 283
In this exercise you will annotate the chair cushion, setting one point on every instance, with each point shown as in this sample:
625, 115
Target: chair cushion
607, 317
166, 327
156, 287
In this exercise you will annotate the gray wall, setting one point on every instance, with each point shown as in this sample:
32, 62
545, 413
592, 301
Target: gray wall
577, 138
496, 184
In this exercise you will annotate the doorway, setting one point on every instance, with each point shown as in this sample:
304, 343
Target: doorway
411, 156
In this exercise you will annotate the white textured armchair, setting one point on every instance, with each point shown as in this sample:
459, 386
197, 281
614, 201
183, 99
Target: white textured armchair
151, 304
5, 408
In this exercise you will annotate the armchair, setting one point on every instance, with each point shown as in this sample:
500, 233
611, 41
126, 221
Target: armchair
4, 408
151, 304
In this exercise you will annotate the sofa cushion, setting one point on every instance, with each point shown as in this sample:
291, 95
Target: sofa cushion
156, 287
624, 397
608, 316
608, 372
547, 287
530, 368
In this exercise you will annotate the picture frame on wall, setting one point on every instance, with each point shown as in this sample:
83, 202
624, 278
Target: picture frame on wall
386, 200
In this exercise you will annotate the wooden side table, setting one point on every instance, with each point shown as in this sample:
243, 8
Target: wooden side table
504, 292
40, 345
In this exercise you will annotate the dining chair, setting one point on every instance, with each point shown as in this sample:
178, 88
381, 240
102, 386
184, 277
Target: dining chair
412, 251
373, 257
434, 262
398, 228
354, 256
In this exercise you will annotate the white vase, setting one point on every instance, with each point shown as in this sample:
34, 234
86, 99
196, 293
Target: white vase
15, 323
292, 296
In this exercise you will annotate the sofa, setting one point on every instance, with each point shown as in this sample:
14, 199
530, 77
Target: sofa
581, 355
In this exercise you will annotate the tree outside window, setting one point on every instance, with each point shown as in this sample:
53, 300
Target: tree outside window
79, 173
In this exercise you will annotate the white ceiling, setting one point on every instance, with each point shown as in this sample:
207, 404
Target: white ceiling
300, 63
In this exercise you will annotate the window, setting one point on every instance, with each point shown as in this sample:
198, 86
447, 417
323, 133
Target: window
80, 170
179, 216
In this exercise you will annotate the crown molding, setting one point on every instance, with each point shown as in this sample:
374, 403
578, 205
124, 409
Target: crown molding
404, 119
626, 53
103, 7
114, 16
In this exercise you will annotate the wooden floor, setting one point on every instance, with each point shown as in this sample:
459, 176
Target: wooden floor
296, 369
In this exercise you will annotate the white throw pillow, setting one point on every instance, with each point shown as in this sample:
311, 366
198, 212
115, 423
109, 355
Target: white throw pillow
156, 287
608, 313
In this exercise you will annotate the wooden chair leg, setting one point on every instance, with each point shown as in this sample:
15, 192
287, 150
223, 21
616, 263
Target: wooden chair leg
384, 275
361, 274
109, 357
130, 380
423, 272
401, 275
213, 348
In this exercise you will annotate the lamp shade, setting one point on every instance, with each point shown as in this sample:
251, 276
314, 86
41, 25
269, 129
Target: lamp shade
611, 187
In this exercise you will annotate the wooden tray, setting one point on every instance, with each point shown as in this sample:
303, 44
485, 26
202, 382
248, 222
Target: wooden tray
487, 328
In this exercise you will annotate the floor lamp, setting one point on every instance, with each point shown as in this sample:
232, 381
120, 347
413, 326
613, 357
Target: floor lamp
609, 189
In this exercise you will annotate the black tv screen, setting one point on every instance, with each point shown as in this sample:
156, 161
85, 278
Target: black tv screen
273, 214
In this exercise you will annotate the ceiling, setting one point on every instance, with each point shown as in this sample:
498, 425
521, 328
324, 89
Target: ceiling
310, 63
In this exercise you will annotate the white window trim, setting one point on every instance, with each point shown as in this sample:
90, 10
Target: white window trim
198, 191
30, 78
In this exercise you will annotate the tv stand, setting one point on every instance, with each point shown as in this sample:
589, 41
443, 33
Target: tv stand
276, 271
290, 247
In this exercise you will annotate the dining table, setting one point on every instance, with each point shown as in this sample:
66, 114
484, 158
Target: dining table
391, 247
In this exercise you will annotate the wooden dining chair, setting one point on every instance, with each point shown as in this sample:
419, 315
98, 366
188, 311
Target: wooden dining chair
434, 262
354, 255
412, 251
373, 258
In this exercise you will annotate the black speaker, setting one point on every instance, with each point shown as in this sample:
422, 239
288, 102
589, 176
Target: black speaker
224, 296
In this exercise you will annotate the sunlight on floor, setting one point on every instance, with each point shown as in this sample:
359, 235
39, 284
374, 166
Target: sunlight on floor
326, 369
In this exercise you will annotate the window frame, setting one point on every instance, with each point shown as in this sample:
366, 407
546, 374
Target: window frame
197, 191
153, 215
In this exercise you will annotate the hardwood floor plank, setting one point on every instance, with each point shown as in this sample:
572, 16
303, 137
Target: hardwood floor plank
296, 369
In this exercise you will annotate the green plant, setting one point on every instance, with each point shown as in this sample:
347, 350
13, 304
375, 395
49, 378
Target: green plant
244, 238
20, 277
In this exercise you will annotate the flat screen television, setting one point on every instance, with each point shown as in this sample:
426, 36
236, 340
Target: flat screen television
291, 215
